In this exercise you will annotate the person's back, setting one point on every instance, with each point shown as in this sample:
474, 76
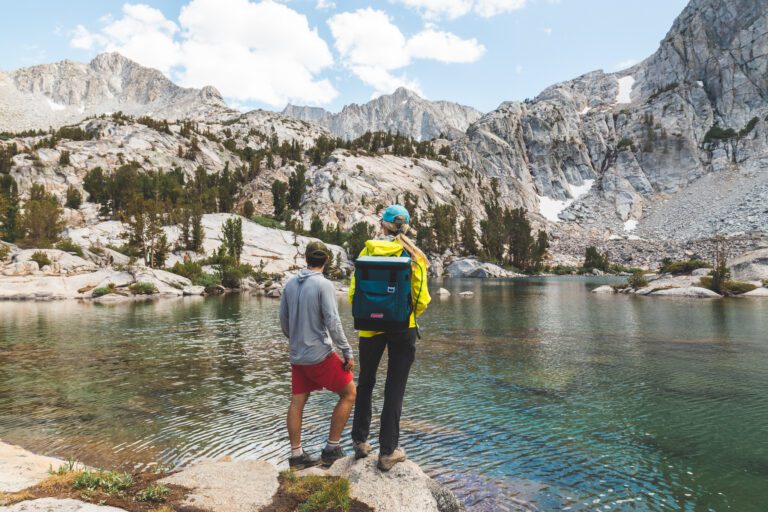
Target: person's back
400, 346
310, 317
308, 314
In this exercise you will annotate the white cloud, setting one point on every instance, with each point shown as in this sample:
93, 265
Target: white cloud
444, 46
489, 8
325, 4
548, 31
452, 9
251, 51
519, 70
372, 47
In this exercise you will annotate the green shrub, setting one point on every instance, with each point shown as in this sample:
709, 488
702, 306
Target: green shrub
41, 258
749, 127
64, 158
638, 280
562, 270
155, 493
189, 269
106, 290
67, 245
594, 259
765, 283
206, 280
682, 267
143, 288
96, 249
74, 198
717, 133
108, 482
267, 222
728, 287
317, 493
4, 251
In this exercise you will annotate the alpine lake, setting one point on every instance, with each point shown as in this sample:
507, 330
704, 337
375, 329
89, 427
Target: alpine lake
533, 394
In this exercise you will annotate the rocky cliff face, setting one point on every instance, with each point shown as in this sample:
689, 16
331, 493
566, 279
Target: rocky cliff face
403, 112
645, 135
66, 92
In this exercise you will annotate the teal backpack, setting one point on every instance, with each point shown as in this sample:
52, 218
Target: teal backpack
382, 299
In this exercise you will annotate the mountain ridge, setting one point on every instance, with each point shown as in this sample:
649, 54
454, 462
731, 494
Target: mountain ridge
51, 95
403, 112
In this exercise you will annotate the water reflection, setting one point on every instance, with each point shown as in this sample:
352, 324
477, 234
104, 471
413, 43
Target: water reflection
533, 392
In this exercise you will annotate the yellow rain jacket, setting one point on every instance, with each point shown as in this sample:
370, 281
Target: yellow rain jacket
419, 289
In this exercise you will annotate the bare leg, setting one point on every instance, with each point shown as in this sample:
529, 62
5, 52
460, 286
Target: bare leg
341, 411
295, 416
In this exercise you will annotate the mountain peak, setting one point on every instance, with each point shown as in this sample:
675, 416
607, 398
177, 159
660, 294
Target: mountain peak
66, 92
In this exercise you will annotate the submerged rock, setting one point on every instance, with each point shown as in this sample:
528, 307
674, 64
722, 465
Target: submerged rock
442, 292
604, 289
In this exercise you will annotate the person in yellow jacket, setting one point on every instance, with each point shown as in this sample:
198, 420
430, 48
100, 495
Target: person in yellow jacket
400, 346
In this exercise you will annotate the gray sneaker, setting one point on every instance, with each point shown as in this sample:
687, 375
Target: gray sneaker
387, 462
330, 456
303, 461
362, 449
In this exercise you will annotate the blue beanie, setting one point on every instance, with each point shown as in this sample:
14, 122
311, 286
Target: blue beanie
396, 212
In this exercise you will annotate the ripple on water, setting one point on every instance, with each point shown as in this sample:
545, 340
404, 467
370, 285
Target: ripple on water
527, 397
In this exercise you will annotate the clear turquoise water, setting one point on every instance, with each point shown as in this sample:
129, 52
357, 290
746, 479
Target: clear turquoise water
531, 395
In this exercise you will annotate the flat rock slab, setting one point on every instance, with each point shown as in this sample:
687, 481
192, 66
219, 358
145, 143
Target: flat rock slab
604, 289
404, 487
240, 486
57, 505
688, 291
20, 468
757, 292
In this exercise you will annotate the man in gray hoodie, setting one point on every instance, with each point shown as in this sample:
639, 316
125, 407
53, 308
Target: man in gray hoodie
308, 313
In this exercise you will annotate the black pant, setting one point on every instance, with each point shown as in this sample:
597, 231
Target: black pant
401, 351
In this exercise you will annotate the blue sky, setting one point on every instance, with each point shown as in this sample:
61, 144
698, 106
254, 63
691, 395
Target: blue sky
265, 53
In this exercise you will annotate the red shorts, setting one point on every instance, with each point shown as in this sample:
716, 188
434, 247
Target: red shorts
329, 374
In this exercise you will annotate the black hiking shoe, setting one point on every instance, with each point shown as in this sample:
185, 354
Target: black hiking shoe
362, 449
303, 461
330, 456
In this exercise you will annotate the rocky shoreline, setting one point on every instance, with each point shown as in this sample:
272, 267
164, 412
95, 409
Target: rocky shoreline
32, 483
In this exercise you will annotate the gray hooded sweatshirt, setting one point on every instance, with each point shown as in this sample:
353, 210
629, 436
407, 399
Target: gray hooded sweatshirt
308, 312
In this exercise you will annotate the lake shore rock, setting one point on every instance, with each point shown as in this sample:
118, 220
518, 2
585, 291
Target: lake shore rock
225, 485
58, 505
20, 468
470, 267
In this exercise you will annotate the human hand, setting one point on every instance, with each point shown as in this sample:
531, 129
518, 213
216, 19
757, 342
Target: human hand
349, 363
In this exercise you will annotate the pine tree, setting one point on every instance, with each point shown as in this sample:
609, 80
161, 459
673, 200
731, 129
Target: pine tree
519, 238
316, 228
232, 231
468, 235
9, 209
279, 197
492, 232
41, 223
74, 198
248, 209
226, 190
297, 184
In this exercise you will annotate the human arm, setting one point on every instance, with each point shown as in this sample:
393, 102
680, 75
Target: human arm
419, 288
332, 321
284, 315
